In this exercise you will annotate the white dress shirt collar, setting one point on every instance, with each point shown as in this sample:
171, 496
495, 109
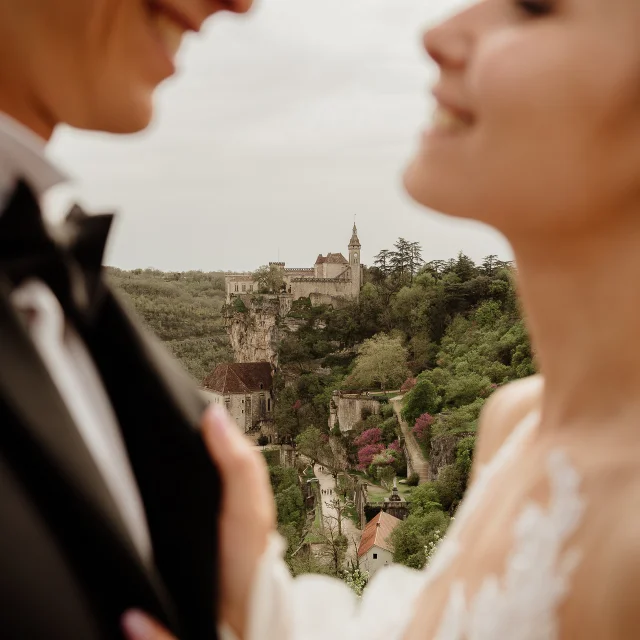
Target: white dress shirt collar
22, 156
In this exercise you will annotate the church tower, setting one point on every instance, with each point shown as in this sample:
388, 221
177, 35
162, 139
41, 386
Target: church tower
354, 261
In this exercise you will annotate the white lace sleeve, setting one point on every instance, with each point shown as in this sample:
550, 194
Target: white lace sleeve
313, 607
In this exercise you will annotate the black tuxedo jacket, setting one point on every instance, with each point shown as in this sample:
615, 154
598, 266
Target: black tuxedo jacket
68, 568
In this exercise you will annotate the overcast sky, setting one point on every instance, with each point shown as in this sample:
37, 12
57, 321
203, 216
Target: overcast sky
280, 127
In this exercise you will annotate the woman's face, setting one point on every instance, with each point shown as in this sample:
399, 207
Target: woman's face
95, 64
538, 124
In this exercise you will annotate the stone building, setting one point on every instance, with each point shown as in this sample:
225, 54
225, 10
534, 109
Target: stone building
246, 390
375, 550
332, 277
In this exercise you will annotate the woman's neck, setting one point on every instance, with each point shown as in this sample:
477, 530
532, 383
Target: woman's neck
582, 301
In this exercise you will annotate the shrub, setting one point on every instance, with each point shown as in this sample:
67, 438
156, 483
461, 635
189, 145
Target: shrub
450, 487
386, 411
263, 441
464, 457
367, 454
389, 430
422, 432
370, 436
423, 398
413, 480
408, 384
272, 457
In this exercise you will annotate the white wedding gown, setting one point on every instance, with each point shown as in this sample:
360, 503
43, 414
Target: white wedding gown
521, 604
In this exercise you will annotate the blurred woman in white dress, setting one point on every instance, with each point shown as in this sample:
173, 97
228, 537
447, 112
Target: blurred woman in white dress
537, 133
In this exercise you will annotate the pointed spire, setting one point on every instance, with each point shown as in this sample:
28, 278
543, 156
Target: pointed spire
354, 242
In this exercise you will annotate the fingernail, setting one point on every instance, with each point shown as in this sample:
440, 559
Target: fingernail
137, 625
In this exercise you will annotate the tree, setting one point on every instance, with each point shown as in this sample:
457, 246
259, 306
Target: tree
489, 265
382, 361
383, 261
423, 398
356, 578
334, 545
436, 268
464, 267
269, 278
286, 414
315, 445
401, 257
411, 537
339, 507
414, 258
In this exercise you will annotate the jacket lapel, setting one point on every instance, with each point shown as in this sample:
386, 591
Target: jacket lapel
30, 393
29, 390
159, 410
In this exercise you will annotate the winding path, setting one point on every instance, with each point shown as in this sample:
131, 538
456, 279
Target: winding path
416, 460
349, 529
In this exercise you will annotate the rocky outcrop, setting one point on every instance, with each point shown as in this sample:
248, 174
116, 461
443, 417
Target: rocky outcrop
252, 326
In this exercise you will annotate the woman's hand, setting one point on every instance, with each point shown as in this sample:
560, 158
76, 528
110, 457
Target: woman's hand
248, 517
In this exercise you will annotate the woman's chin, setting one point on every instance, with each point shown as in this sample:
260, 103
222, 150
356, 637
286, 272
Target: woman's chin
423, 187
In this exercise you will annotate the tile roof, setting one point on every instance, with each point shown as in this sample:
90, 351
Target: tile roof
332, 258
235, 377
378, 536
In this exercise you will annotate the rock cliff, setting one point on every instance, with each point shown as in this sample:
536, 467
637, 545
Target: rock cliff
252, 326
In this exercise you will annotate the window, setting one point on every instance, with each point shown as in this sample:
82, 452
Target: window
375, 556
244, 287
250, 287
236, 287
268, 404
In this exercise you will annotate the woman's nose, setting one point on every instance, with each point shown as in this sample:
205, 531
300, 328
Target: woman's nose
447, 47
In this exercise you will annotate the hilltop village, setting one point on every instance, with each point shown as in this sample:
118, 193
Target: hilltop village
360, 384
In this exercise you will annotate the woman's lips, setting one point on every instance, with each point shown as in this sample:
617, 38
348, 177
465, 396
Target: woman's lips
447, 120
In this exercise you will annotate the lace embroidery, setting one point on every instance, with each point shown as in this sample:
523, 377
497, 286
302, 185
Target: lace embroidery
522, 604
450, 546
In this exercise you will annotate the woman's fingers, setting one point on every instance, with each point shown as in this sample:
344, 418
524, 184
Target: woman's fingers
243, 469
139, 626
248, 512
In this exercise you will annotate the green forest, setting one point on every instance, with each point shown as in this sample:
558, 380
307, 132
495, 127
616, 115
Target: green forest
184, 310
449, 333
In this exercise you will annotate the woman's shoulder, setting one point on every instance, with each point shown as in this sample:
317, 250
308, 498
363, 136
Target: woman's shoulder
502, 412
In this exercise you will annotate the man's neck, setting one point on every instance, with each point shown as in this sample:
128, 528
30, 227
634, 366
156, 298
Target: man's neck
28, 113
582, 300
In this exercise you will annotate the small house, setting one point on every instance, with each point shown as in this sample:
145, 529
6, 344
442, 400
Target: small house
375, 550
245, 389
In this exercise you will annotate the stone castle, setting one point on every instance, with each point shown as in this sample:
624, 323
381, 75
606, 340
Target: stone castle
332, 278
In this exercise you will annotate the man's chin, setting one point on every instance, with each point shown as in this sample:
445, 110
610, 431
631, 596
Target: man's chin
124, 119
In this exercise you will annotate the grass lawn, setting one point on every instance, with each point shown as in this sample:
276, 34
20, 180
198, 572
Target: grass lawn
378, 494
314, 535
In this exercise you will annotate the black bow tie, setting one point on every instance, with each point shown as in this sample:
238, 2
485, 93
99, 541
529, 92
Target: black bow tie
69, 263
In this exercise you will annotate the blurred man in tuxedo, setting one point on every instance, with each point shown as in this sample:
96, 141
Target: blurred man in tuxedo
109, 499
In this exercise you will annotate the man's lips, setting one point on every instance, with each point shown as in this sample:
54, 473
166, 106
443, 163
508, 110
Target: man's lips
181, 18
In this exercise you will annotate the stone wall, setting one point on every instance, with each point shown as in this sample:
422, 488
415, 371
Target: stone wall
337, 302
321, 287
347, 409
249, 411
